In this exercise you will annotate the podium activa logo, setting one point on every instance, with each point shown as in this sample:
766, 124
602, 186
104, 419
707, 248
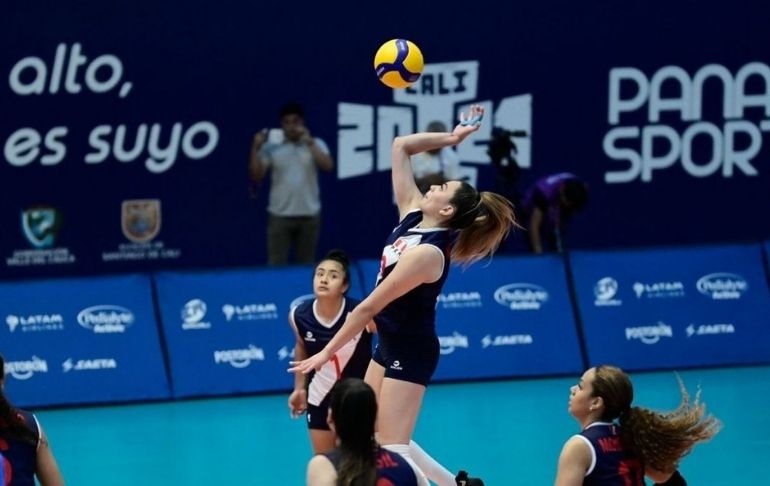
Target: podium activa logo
106, 319
521, 296
722, 286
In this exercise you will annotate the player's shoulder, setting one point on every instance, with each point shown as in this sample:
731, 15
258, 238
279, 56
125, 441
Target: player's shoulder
303, 310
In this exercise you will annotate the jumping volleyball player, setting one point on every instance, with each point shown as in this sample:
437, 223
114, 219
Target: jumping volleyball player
314, 323
451, 221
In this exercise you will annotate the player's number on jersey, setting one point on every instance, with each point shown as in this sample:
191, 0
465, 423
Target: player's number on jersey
631, 472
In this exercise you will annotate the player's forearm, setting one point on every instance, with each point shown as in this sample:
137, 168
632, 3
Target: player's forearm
354, 324
300, 379
421, 142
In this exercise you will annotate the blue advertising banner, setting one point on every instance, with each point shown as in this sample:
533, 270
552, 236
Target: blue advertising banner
674, 307
228, 332
81, 341
507, 317
134, 120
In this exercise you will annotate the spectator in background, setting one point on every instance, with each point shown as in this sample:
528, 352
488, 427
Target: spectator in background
548, 206
294, 205
24, 449
435, 166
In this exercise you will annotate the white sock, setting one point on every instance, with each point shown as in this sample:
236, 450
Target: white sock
403, 451
435, 471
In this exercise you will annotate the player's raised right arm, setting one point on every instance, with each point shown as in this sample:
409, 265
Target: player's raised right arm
404, 187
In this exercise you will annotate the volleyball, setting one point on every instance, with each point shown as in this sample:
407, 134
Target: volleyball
398, 63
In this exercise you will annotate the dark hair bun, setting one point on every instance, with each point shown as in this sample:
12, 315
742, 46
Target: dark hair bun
339, 256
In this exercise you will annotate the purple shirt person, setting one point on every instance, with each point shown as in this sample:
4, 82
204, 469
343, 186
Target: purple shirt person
548, 205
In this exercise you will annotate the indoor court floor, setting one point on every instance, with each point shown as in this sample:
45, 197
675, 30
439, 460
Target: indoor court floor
508, 432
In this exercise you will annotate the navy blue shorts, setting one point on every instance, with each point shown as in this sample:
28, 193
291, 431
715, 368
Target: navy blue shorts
316, 415
406, 357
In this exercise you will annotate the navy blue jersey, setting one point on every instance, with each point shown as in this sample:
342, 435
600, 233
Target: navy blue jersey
20, 457
415, 311
392, 469
351, 360
613, 464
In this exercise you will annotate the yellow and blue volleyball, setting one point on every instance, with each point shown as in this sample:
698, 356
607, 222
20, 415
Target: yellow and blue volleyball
398, 63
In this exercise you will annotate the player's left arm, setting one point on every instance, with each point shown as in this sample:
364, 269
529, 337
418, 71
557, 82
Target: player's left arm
574, 461
47, 470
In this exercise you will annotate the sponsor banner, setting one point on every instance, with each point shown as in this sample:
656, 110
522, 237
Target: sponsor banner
228, 332
506, 317
81, 341
674, 307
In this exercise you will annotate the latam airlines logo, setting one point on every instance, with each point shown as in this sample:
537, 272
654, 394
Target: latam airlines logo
35, 322
24, 370
106, 319
658, 290
722, 286
460, 300
239, 358
450, 343
250, 312
521, 296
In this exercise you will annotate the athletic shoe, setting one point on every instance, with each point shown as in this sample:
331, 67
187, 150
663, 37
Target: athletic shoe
462, 479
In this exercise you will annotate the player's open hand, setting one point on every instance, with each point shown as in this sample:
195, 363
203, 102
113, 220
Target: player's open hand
312, 363
469, 122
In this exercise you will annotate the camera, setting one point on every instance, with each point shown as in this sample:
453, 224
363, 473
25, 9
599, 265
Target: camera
502, 151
